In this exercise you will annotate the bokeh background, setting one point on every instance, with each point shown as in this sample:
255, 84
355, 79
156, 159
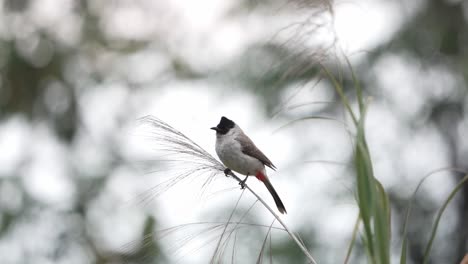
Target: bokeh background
76, 172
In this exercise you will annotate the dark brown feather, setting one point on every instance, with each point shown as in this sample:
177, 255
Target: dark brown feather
249, 148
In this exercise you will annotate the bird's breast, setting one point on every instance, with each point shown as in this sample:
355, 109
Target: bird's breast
230, 153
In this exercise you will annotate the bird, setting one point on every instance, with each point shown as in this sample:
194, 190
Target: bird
238, 153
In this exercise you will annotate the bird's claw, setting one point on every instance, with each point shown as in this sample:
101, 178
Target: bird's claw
242, 184
227, 171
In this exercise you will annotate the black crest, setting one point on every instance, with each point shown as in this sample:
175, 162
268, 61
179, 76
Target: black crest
224, 125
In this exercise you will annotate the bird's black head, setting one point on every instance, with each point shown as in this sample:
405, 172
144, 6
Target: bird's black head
224, 126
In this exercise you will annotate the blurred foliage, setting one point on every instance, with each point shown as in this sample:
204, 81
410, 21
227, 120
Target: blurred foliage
42, 77
437, 36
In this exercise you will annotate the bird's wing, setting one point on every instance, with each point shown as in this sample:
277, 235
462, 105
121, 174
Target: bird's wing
249, 148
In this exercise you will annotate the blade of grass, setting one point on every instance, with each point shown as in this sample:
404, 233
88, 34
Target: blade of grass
356, 85
365, 187
403, 251
382, 225
410, 204
312, 118
373, 201
265, 241
439, 216
353, 239
339, 90
215, 253
291, 234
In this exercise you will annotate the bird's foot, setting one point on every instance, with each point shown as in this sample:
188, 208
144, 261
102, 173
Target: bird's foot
242, 183
227, 171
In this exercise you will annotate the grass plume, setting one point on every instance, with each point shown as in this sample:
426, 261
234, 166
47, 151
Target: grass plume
195, 160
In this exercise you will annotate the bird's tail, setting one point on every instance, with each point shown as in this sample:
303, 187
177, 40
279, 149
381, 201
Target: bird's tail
263, 178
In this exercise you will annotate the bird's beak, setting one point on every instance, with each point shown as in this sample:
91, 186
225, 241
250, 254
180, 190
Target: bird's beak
214, 128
